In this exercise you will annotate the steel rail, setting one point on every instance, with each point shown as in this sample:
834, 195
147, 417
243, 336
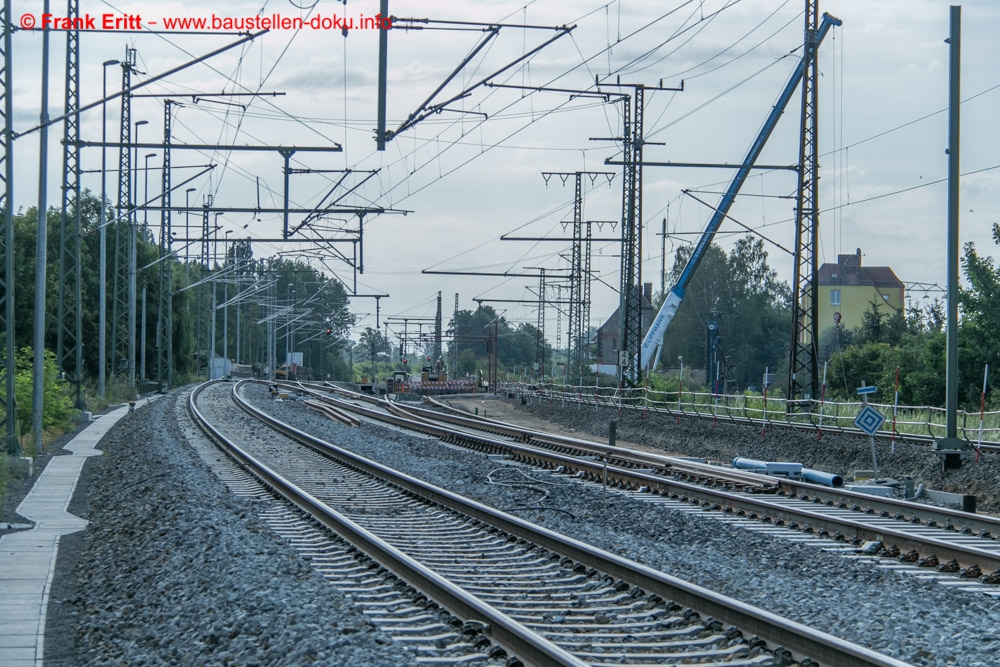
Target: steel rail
624, 457
798, 638
958, 519
334, 413
858, 531
628, 457
513, 636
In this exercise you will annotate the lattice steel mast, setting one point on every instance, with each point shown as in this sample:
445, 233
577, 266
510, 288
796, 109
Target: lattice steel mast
630, 308
540, 341
122, 336
13, 446
437, 331
803, 364
579, 298
204, 336
69, 327
164, 320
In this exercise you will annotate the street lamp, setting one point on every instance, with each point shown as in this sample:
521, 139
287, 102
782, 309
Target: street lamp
102, 269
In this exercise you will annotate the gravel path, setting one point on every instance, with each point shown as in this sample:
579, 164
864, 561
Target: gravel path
918, 621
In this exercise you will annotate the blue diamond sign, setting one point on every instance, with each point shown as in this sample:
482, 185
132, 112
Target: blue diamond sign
869, 420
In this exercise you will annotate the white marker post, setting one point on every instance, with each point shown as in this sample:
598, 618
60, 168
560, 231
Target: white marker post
869, 421
982, 411
822, 401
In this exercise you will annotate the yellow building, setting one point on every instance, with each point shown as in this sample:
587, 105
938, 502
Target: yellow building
847, 289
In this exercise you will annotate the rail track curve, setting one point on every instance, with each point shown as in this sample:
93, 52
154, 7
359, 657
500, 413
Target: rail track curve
634, 596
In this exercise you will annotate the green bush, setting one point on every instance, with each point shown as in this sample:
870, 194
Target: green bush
57, 410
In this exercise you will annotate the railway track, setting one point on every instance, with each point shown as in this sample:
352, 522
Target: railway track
544, 598
921, 538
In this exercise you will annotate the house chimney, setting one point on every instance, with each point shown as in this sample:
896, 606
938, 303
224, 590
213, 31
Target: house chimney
859, 256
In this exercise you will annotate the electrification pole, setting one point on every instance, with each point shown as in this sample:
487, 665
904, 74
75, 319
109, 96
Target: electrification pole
579, 287
12, 445
120, 306
41, 247
69, 336
803, 367
164, 319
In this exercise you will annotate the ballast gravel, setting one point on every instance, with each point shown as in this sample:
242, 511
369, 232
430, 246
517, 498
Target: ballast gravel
173, 569
912, 619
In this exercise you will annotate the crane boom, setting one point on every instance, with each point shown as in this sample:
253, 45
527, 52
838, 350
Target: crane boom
654, 337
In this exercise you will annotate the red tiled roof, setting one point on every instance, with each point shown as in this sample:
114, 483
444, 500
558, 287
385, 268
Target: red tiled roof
874, 276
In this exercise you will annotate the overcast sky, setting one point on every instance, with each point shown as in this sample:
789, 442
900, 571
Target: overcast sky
472, 173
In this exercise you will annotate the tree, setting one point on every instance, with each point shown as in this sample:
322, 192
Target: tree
980, 325
57, 409
470, 330
516, 347
880, 327
743, 294
373, 345
320, 304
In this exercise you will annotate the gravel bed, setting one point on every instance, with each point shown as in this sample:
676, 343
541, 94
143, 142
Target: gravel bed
915, 620
173, 569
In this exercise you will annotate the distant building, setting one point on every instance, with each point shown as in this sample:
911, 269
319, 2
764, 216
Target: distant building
606, 338
846, 290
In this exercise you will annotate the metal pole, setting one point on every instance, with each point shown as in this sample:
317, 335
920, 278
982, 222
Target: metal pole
225, 296
288, 330
132, 261
13, 446
38, 372
239, 307
211, 361
287, 154
145, 193
612, 436
102, 334
142, 347
680, 384
950, 446
383, 59
187, 227
225, 321
272, 336
954, 102
871, 438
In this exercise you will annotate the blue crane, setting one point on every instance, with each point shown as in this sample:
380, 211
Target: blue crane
654, 337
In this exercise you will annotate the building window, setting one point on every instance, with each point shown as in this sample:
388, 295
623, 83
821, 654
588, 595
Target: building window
835, 297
